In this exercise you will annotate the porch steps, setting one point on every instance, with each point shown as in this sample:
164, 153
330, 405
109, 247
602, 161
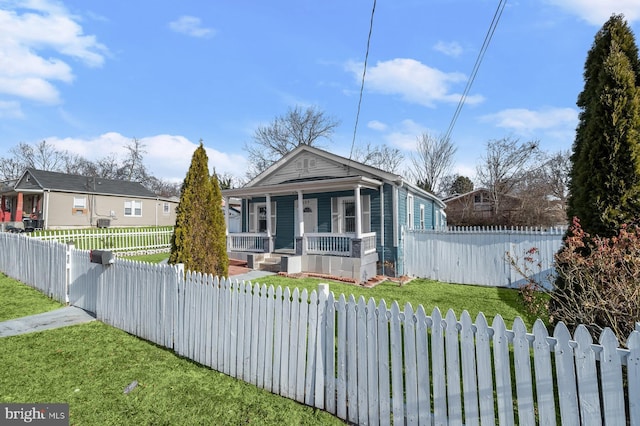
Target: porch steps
271, 263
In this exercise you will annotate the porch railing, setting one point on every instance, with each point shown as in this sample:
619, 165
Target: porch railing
369, 242
328, 243
247, 241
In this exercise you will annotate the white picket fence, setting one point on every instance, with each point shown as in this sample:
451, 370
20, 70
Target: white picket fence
478, 255
363, 361
41, 264
120, 240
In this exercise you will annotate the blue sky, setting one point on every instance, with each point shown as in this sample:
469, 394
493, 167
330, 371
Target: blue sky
89, 76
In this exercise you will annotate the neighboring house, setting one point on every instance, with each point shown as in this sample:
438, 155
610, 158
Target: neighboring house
477, 208
314, 211
52, 200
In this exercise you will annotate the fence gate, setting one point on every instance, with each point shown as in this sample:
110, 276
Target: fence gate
84, 279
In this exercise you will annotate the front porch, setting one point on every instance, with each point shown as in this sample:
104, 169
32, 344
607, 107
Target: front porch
340, 255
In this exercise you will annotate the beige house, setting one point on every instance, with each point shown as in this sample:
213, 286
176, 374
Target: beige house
51, 200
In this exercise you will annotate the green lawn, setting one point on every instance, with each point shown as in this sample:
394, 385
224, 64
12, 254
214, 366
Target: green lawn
18, 300
90, 365
474, 299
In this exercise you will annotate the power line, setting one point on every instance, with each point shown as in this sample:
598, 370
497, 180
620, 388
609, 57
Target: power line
476, 66
364, 72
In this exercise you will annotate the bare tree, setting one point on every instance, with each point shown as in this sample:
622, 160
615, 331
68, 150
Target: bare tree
10, 168
506, 164
133, 168
286, 132
432, 161
42, 156
380, 156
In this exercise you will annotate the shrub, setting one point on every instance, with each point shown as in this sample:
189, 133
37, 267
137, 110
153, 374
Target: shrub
598, 281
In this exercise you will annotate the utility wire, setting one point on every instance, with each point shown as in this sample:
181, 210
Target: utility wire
364, 72
472, 77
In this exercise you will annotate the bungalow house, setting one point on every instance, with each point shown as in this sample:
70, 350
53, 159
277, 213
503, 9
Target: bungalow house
314, 211
52, 200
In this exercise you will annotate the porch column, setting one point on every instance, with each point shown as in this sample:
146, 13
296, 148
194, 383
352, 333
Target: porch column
300, 246
226, 214
270, 243
226, 221
17, 212
268, 215
358, 212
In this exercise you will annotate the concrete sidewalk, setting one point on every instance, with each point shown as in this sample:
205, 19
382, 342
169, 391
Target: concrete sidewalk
69, 315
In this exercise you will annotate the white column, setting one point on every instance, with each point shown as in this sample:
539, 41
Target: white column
300, 214
226, 214
358, 212
268, 215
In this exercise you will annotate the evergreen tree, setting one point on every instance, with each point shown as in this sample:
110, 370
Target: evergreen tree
199, 240
605, 165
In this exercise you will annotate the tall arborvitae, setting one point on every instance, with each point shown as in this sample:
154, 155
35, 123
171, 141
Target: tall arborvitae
198, 232
219, 231
605, 165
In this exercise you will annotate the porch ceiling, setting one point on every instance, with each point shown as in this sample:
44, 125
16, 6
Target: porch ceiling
321, 185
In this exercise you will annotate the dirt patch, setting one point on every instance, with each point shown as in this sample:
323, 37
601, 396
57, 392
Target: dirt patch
372, 282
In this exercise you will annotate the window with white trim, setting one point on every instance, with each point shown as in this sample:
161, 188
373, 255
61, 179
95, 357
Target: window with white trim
410, 211
421, 216
133, 208
79, 202
343, 214
166, 208
258, 217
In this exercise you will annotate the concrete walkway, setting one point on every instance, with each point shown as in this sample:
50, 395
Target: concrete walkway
62, 317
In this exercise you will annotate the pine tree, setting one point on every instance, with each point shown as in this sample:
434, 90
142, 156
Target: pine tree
199, 240
605, 165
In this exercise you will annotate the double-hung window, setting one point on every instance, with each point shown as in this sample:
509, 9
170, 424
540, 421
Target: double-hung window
133, 208
421, 216
343, 213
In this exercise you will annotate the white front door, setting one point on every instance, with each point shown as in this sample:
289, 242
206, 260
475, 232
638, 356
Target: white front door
310, 215
310, 208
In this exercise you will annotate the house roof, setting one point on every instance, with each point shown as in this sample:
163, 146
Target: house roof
475, 191
336, 173
33, 180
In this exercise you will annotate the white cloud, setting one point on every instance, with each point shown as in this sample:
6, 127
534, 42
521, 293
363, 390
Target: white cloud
377, 125
413, 81
191, 26
405, 135
452, 48
525, 121
167, 156
31, 27
597, 12
10, 109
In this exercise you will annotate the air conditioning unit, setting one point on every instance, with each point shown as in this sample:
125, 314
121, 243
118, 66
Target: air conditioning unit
104, 223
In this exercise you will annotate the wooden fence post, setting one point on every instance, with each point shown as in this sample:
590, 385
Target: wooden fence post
321, 339
70, 247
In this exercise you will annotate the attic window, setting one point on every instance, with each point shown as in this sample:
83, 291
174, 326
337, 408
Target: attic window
305, 164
